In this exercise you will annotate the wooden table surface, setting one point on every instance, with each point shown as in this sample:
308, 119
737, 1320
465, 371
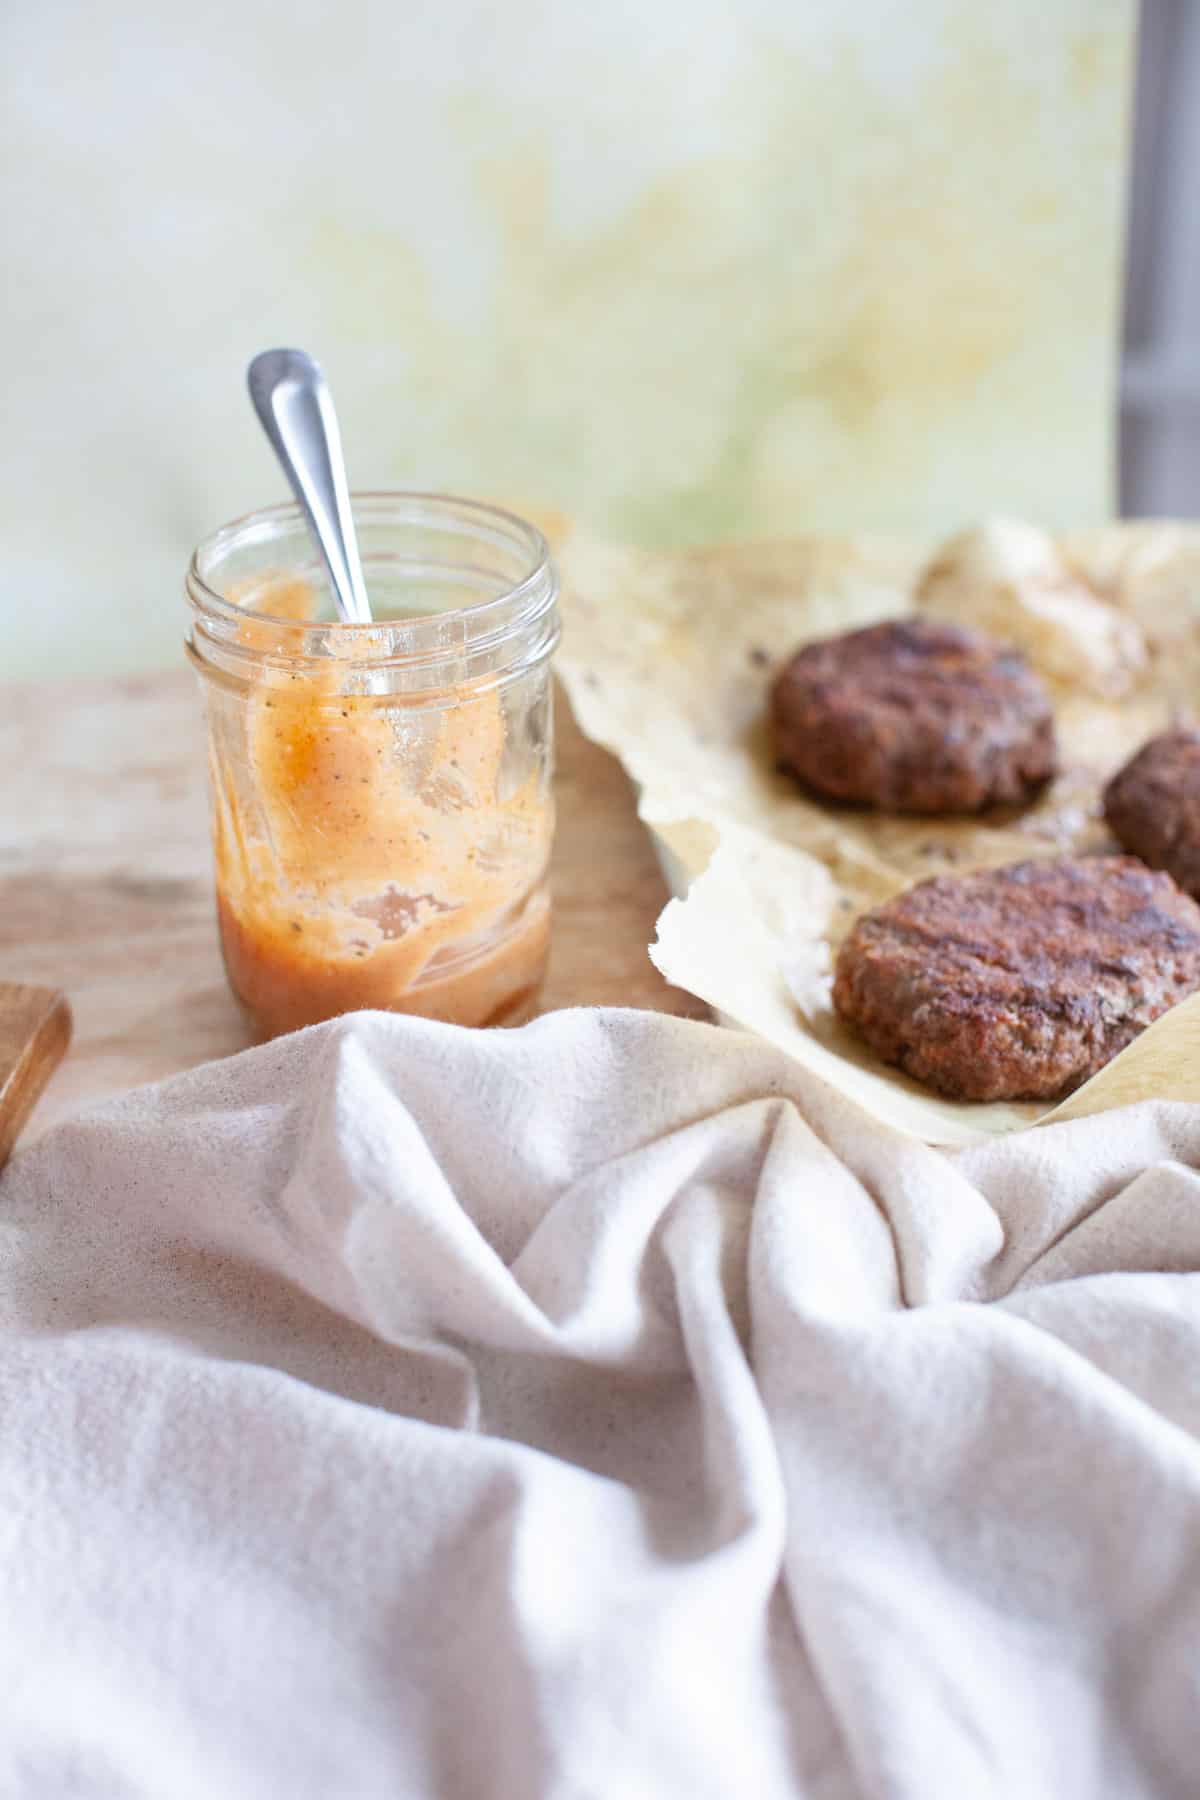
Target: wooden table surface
105, 884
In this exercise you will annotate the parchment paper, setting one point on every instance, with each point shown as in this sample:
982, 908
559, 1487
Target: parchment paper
668, 657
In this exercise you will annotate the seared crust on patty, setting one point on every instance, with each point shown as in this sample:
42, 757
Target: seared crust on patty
1021, 982
1153, 806
916, 716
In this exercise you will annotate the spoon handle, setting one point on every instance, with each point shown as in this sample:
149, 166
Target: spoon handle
295, 408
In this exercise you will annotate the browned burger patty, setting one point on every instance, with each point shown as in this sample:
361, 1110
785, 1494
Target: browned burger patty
1018, 983
914, 716
1153, 806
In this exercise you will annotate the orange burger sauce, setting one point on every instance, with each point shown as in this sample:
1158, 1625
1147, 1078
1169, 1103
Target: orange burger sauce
374, 849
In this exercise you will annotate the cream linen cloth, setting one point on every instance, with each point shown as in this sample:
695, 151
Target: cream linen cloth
599, 1409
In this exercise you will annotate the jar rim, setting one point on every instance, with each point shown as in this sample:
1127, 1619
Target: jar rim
424, 504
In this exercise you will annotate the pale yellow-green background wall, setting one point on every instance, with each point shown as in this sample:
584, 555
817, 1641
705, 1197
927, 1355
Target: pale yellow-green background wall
692, 269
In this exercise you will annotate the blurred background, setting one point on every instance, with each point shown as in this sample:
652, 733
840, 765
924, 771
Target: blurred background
1160, 382
708, 269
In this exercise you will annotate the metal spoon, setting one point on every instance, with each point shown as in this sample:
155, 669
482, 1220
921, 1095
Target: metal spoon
295, 408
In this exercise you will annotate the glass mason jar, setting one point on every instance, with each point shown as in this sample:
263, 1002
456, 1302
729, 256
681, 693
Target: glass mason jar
382, 810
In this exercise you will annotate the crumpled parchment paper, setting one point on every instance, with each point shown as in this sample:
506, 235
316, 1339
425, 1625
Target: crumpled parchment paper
667, 659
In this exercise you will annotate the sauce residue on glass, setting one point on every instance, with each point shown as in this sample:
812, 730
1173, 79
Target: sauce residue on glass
369, 851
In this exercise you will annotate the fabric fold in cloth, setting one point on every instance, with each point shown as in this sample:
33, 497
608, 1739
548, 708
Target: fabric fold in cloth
600, 1408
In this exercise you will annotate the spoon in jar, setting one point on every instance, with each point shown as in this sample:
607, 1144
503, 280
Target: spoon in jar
295, 409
